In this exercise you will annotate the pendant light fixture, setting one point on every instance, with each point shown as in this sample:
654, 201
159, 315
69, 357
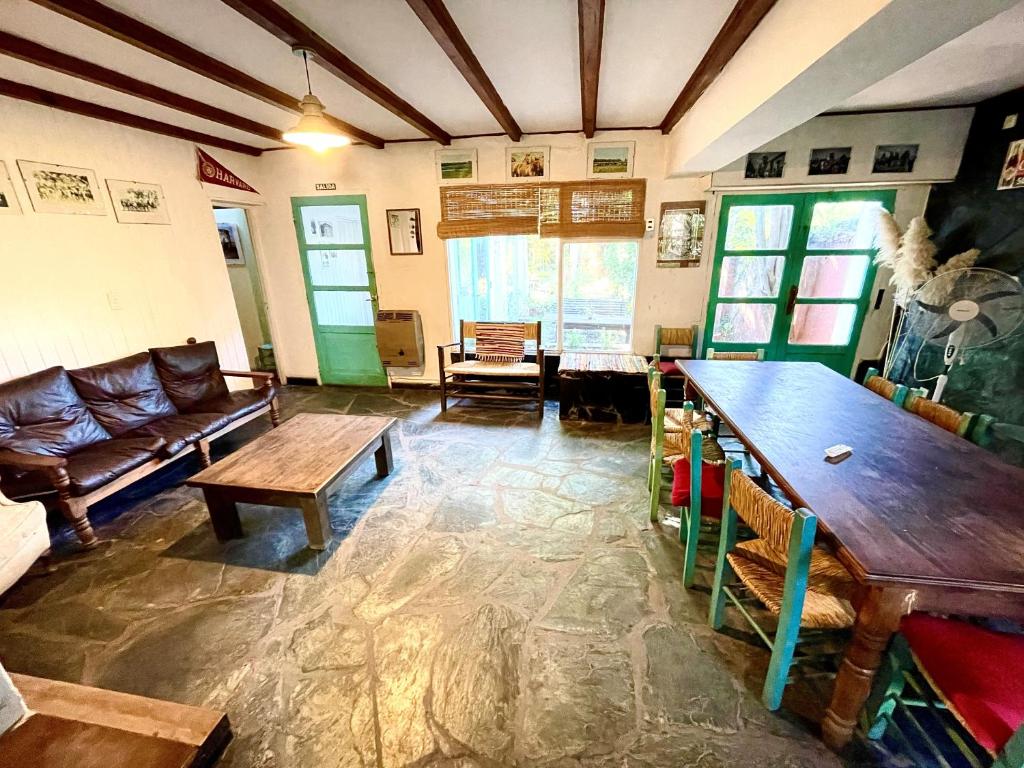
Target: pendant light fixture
313, 129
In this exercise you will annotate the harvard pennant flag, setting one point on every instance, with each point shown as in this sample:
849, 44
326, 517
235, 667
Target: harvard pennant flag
213, 172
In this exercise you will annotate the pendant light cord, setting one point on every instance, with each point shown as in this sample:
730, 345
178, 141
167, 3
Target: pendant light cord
305, 62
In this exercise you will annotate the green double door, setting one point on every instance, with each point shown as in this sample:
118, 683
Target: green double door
793, 274
334, 246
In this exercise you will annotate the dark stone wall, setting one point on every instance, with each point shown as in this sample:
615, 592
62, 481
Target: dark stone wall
971, 213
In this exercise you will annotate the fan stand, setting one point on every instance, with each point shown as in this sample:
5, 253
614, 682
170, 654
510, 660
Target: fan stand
949, 357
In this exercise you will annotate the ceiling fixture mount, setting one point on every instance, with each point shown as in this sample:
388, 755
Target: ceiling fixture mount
313, 129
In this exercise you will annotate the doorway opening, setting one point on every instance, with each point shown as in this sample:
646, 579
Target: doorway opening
246, 287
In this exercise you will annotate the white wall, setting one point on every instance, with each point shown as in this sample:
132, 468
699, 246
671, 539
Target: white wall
57, 272
403, 176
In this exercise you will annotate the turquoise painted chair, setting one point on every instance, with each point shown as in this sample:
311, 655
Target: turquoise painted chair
715, 354
880, 385
943, 416
804, 586
962, 679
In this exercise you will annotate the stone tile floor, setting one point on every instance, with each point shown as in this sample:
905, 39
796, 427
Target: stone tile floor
499, 600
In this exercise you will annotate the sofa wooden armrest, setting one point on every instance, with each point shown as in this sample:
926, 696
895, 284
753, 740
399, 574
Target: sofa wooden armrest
30, 461
449, 344
254, 375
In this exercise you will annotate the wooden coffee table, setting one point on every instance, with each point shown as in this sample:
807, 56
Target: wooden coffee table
299, 464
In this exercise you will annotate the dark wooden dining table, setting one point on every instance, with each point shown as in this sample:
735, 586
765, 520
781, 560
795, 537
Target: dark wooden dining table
923, 519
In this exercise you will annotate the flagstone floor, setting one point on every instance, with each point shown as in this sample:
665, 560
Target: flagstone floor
499, 600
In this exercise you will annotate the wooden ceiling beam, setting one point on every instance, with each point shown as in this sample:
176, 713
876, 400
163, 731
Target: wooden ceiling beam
68, 104
134, 32
442, 26
591, 33
291, 31
745, 17
34, 53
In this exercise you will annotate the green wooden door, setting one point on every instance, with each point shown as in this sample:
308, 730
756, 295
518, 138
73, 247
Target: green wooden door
793, 274
334, 246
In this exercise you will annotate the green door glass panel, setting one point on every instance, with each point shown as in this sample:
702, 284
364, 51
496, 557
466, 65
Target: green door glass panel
334, 247
792, 274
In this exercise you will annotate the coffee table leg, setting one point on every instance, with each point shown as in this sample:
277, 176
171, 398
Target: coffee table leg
385, 462
223, 515
318, 522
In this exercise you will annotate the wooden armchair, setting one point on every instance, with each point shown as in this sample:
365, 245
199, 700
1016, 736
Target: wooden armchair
498, 371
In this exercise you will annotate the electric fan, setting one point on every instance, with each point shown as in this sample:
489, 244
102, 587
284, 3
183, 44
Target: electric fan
963, 309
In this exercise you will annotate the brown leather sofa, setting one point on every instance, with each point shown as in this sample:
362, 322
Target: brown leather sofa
87, 433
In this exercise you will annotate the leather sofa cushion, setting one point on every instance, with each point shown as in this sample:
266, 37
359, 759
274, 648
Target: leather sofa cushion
123, 394
190, 374
181, 430
43, 414
237, 404
98, 464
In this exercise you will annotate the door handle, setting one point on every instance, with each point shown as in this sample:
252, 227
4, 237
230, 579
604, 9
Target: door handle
791, 301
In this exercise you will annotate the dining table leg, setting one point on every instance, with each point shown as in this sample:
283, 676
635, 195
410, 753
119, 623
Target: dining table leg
879, 611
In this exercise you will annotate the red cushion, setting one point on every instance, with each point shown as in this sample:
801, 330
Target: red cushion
973, 669
669, 368
712, 480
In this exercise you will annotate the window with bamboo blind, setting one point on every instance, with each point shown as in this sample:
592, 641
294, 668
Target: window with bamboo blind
609, 208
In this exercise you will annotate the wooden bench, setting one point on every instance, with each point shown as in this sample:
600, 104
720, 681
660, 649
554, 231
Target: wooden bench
600, 386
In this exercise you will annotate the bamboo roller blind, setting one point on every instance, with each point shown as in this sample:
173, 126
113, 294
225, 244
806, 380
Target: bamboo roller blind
601, 208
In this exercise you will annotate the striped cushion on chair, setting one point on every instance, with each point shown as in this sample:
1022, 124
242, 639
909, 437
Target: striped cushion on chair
500, 342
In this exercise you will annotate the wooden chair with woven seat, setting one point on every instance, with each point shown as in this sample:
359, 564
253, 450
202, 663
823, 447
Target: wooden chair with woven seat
671, 344
952, 676
676, 419
890, 390
498, 371
715, 354
805, 586
940, 415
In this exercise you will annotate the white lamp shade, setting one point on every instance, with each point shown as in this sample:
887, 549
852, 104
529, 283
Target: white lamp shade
313, 129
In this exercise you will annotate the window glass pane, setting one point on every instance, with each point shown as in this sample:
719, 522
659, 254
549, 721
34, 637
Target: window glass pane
505, 278
598, 295
833, 277
743, 323
332, 224
343, 307
337, 268
822, 324
758, 227
847, 225
750, 276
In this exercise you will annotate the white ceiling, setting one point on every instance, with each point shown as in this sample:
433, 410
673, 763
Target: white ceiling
984, 62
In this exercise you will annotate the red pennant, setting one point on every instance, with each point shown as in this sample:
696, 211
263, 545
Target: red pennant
212, 172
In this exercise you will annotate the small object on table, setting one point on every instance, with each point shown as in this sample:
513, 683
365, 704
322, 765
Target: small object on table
837, 453
299, 464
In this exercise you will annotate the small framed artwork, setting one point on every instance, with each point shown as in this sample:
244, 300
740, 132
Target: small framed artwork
231, 244
404, 231
681, 234
527, 163
610, 159
8, 200
895, 158
765, 165
136, 202
1012, 176
831, 161
454, 165
62, 189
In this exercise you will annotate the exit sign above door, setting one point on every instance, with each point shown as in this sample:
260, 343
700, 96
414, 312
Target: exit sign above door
326, 187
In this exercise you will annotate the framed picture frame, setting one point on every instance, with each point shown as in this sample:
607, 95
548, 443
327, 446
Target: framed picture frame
456, 165
610, 159
765, 165
527, 163
8, 198
1012, 174
62, 188
829, 161
681, 234
231, 244
136, 202
895, 158
405, 236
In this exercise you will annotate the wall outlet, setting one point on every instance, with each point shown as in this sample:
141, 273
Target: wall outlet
649, 226
1010, 122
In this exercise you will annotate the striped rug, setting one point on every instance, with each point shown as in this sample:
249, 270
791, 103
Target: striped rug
500, 342
602, 361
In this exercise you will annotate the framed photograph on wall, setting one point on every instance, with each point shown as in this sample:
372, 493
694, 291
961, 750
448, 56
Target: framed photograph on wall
765, 165
895, 158
1012, 175
527, 163
136, 202
8, 199
831, 161
455, 165
681, 234
62, 188
404, 231
231, 244
610, 159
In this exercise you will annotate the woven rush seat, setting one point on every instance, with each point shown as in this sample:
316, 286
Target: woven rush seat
825, 574
676, 446
821, 610
492, 368
675, 421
